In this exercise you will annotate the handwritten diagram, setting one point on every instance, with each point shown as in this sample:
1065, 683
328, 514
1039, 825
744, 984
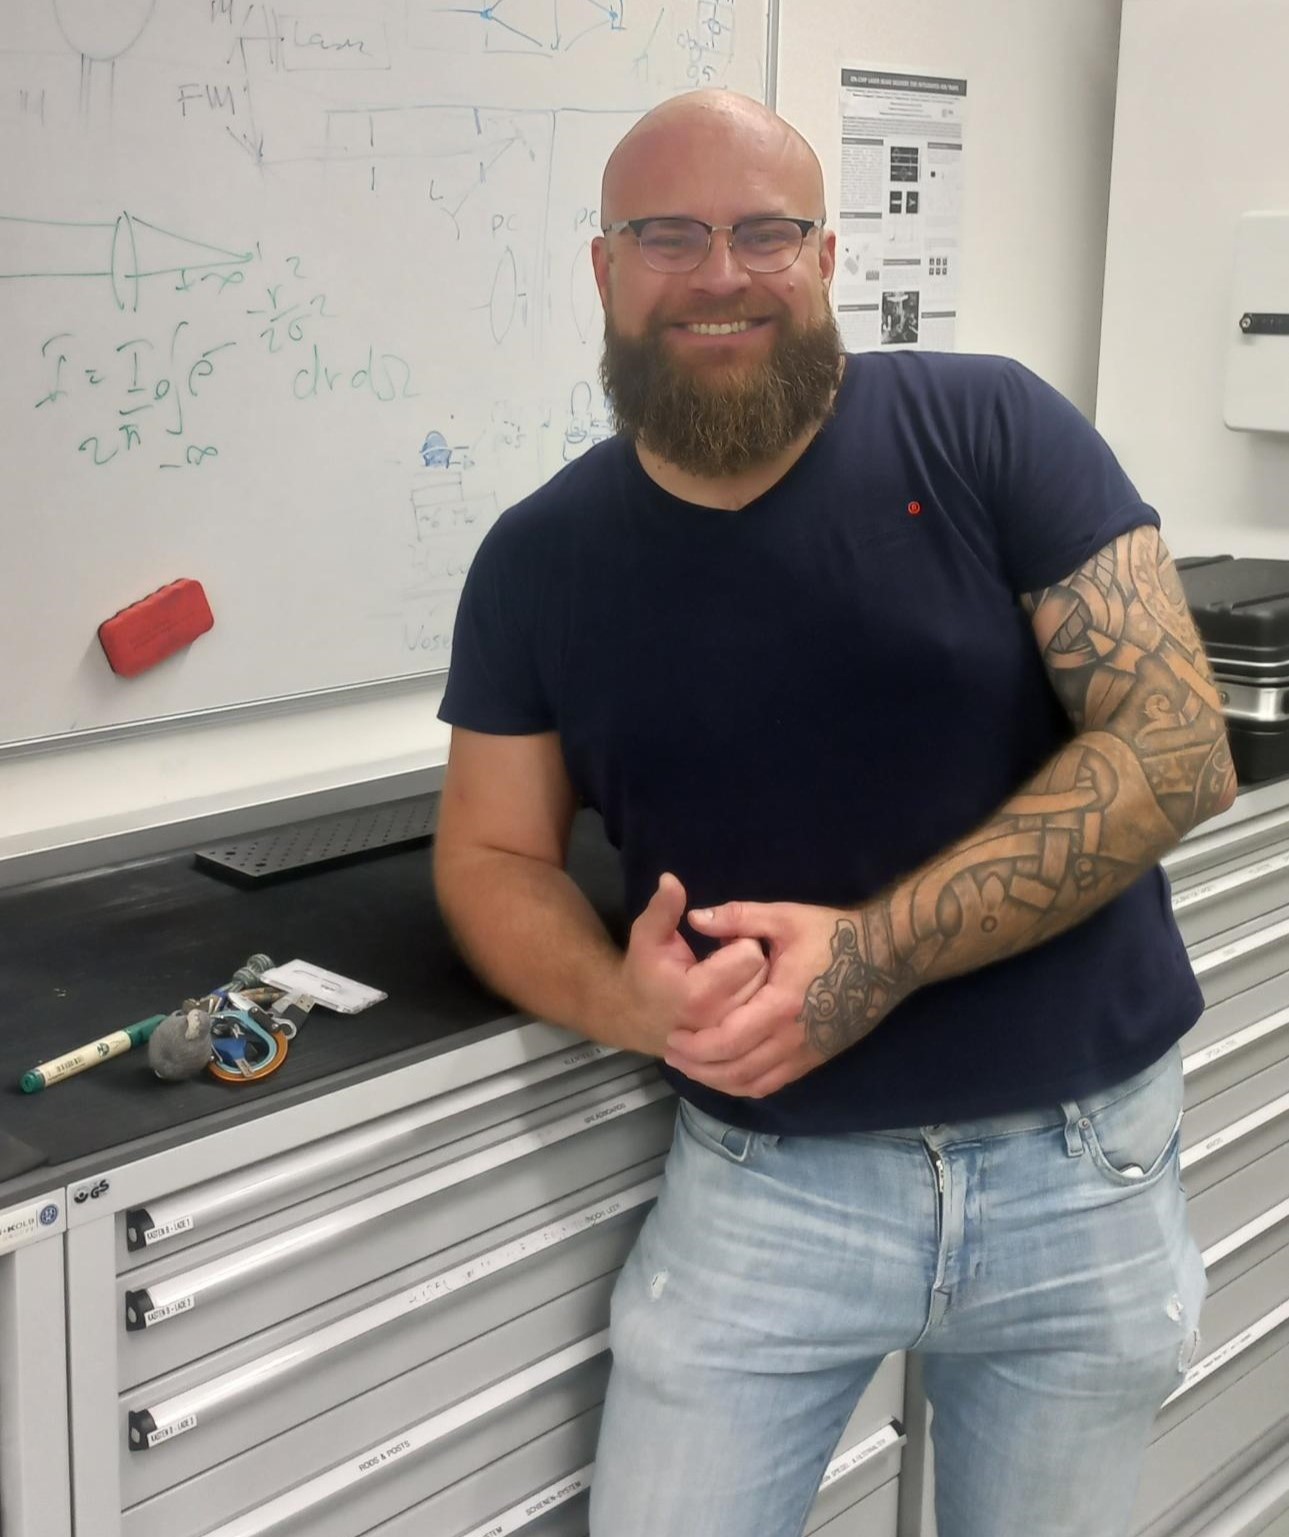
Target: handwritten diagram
124, 250
310, 283
100, 34
511, 26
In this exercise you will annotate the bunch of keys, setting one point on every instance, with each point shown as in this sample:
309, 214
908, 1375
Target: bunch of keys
248, 1041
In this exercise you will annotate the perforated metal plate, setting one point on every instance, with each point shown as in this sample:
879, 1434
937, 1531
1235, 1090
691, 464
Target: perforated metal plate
324, 840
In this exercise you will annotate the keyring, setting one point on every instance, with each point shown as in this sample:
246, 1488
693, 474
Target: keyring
239, 1068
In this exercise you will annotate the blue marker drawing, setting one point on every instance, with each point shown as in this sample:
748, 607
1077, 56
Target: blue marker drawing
512, 26
435, 453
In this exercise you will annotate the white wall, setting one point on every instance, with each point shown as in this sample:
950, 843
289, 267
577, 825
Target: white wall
1040, 111
1040, 101
1200, 138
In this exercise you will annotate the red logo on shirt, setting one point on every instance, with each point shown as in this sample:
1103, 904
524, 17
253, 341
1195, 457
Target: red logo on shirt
914, 508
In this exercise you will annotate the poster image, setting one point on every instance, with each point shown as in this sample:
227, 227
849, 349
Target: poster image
899, 236
900, 317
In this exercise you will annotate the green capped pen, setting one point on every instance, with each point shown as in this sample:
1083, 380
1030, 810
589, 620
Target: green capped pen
45, 1074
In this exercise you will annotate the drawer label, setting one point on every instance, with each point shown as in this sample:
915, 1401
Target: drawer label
606, 1112
168, 1310
524, 1247
383, 1455
1201, 965
1232, 882
169, 1432
549, 1498
858, 1455
1236, 1041
581, 1055
167, 1230
1228, 1352
524, 1514
1234, 1132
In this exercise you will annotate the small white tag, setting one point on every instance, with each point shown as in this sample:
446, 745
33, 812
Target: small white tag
171, 1310
169, 1432
328, 988
382, 1455
167, 1230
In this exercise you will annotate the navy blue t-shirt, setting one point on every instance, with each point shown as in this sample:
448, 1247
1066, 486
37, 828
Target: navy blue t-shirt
807, 698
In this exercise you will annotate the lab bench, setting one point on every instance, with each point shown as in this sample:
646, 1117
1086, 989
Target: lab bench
370, 1294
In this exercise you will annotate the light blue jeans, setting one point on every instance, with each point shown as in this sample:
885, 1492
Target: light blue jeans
1052, 1288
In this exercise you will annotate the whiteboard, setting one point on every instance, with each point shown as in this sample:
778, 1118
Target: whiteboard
294, 302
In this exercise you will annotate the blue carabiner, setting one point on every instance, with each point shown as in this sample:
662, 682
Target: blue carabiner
231, 1057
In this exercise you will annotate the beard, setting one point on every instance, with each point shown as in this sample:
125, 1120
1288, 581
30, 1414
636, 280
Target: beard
734, 420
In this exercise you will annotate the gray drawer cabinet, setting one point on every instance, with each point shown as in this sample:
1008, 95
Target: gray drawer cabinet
272, 1331
1218, 1465
397, 1323
384, 1310
858, 1495
34, 1458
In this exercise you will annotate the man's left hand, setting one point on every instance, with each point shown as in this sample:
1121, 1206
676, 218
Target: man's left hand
824, 991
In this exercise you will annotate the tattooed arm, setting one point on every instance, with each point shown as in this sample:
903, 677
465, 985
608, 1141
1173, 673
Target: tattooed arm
1148, 762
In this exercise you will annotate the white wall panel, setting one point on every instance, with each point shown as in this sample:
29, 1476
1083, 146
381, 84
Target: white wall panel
1200, 138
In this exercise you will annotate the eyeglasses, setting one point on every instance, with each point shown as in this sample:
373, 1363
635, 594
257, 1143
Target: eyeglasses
681, 245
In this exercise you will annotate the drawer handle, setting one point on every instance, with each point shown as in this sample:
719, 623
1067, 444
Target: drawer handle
1234, 1132
1197, 1061
1208, 845
1224, 1354
146, 1226
542, 1501
175, 1416
1246, 1234
1220, 885
148, 1306
1238, 948
335, 1481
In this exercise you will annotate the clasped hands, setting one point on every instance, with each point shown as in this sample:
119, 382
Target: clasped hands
741, 1020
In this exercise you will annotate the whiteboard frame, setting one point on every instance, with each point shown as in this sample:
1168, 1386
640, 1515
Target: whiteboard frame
275, 705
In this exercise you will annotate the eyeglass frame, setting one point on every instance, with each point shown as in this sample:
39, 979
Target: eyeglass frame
621, 226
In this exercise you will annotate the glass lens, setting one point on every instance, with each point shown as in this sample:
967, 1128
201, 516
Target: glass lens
674, 245
767, 245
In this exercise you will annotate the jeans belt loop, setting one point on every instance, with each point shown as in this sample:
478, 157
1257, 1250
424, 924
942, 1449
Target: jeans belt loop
1073, 1135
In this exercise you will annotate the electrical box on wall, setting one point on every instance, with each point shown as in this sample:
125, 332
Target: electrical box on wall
1257, 359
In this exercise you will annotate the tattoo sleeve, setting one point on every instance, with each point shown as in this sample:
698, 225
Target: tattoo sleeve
1149, 761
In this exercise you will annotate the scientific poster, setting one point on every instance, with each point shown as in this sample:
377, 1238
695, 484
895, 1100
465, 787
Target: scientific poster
899, 218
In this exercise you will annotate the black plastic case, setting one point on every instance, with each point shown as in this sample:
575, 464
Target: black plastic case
1241, 609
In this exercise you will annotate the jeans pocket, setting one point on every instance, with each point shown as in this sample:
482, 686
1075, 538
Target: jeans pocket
1131, 1132
732, 1143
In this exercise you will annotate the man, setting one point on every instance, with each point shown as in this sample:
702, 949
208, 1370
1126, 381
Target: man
885, 687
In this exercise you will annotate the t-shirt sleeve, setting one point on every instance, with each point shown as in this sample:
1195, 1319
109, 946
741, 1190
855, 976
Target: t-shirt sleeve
1057, 492
494, 684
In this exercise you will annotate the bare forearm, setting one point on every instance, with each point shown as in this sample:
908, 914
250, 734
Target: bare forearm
1075, 836
531, 935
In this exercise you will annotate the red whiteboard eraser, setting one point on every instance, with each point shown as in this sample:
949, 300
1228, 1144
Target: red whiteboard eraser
155, 627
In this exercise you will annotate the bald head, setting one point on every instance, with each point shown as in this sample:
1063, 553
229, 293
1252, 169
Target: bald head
706, 135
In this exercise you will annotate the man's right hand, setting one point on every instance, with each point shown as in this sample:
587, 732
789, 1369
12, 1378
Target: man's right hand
667, 987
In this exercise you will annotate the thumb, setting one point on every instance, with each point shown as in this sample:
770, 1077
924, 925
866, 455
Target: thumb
753, 920
661, 917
